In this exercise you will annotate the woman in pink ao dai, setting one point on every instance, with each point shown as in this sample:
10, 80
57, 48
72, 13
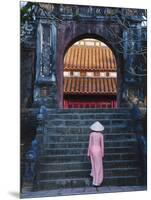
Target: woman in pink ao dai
96, 152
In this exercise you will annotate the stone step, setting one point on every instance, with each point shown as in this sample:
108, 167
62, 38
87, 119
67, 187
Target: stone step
85, 129
89, 110
83, 157
87, 165
81, 144
87, 122
89, 116
68, 151
82, 182
79, 138
48, 175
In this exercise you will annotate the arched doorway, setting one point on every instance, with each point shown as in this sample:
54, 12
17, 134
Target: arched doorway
67, 39
90, 75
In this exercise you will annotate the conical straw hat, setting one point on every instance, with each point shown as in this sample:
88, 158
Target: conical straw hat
97, 126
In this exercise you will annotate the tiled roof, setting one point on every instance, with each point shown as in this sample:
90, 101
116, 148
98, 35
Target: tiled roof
85, 85
84, 58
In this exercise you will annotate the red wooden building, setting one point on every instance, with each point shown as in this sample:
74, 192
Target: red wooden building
90, 77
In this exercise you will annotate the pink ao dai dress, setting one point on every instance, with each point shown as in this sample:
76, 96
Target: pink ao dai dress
96, 153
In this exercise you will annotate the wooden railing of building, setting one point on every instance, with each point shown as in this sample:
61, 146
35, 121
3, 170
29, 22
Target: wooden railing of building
101, 104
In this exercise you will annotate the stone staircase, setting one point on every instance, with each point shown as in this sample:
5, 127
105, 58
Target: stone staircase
64, 162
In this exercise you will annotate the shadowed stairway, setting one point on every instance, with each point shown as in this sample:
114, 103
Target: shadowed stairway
64, 162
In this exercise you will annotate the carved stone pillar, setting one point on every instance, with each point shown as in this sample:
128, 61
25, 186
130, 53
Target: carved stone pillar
128, 59
133, 65
45, 80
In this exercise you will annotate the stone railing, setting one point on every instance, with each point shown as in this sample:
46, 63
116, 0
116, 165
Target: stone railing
29, 179
139, 127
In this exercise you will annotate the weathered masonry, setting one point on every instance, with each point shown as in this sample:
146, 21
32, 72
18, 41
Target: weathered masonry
57, 27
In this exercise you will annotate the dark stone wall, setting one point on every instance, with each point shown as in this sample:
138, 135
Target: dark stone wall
27, 76
27, 116
56, 29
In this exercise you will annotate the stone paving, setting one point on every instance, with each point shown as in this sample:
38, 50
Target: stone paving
82, 191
